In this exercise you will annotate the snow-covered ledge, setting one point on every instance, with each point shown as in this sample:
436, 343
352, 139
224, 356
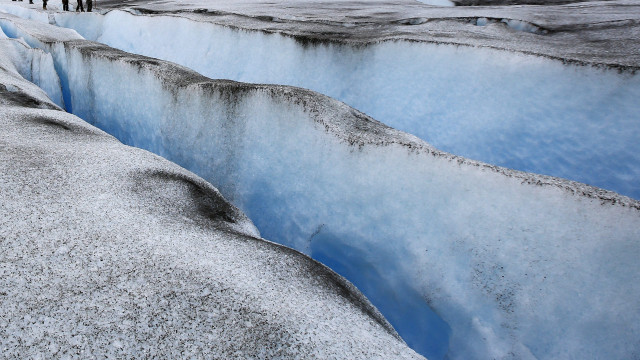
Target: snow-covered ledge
514, 264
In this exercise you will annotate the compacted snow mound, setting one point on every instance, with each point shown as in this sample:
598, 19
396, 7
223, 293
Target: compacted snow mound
523, 112
107, 251
514, 265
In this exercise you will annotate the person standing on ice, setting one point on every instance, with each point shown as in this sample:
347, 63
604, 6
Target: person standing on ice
44, 4
65, 5
89, 5
80, 6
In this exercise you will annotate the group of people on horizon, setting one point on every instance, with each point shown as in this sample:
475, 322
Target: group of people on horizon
65, 5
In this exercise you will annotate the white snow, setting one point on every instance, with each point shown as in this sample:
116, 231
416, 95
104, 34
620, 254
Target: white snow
515, 265
107, 251
522, 112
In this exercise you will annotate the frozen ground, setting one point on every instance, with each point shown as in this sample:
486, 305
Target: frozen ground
108, 251
519, 111
513, 265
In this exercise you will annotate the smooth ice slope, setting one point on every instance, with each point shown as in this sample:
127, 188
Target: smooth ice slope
107, 251
518, 111
517, 265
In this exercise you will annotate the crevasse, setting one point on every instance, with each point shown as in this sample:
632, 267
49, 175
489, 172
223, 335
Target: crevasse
505, 259
513, 110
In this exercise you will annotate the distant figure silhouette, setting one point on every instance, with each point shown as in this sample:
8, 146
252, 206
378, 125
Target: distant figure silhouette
89, 5
65, 5
80, 7
44, 4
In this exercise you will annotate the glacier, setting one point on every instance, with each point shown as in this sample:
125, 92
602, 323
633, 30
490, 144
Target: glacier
513, 265
475, 111
108, 251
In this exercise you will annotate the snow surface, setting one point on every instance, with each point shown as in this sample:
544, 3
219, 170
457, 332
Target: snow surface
515, 265
513, 110
108, 251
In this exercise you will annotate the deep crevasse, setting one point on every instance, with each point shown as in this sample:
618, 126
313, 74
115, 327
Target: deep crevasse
109, 251
523, 112
506, 259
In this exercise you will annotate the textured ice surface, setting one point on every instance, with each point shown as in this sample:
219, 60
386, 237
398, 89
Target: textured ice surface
516, 265
32, 64
107, 251
603, 33
523, 112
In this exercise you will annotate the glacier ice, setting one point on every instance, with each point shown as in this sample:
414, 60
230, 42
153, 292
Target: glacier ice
108, 251
514, 264
513, 110
34, 65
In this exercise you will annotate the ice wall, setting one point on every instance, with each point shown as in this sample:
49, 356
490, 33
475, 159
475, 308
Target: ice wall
515, 265
111, 252
34, 65
523, 112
